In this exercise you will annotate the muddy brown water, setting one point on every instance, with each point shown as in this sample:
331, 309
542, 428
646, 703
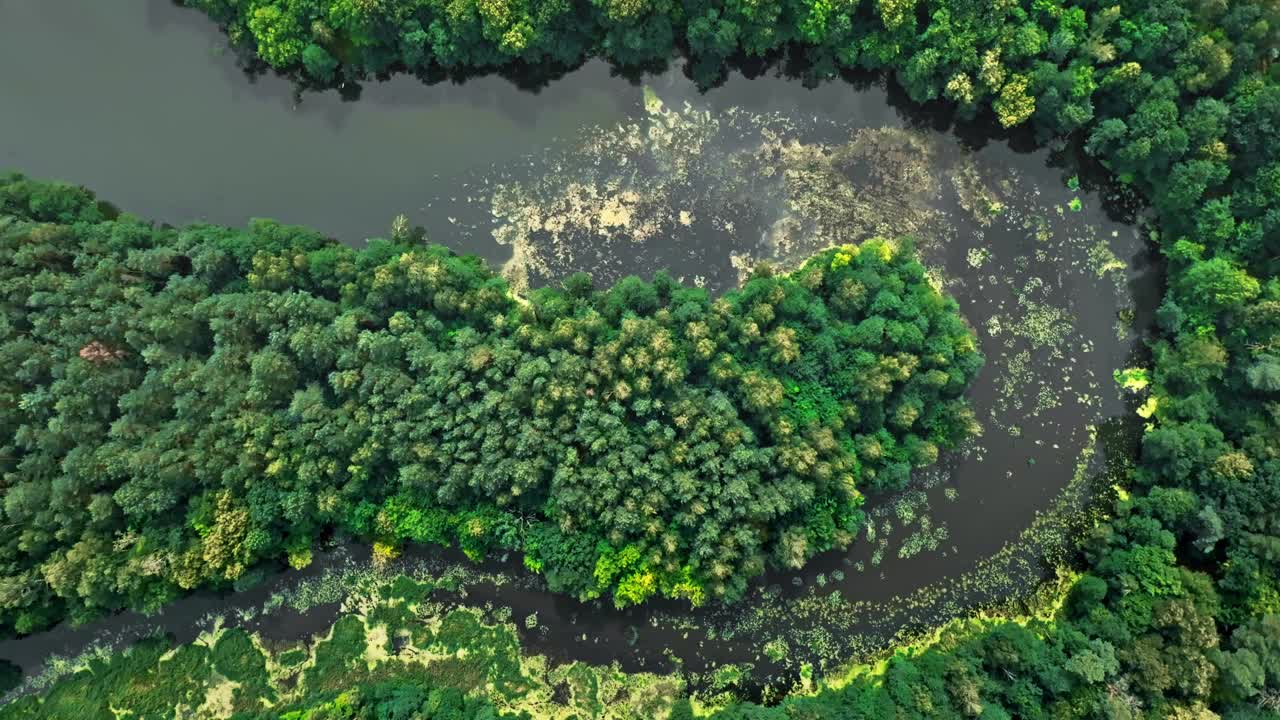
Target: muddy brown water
143, 102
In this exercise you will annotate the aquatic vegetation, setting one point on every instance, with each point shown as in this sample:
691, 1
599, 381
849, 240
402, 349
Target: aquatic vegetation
776, 650
977, 257
401, 651
685, 187
1133, 379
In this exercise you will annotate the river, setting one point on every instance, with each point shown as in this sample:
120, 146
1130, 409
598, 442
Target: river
143, 102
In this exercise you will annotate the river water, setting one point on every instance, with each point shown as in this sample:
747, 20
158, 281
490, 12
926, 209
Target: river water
143, 102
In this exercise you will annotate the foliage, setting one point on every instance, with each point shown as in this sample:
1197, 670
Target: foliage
184, 404
1178, 99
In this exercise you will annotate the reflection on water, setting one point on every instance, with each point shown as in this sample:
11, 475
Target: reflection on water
597, 174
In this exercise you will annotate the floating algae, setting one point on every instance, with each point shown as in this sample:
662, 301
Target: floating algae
721, 192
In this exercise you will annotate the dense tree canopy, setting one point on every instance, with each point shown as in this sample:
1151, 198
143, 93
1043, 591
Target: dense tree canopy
182, 404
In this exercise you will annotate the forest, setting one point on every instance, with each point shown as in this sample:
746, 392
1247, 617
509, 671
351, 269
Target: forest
189, 403
1175, 612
